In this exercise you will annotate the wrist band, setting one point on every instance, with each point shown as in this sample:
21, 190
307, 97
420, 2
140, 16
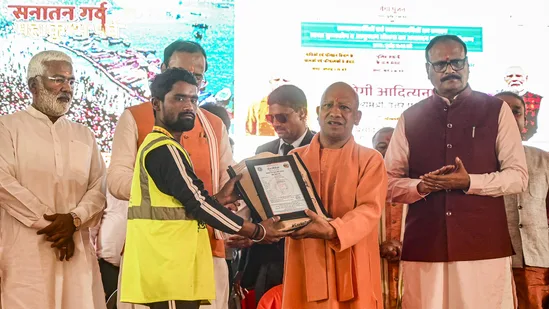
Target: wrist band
256, 231
264, 233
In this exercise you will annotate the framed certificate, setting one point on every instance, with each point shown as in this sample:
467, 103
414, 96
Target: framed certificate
274, 185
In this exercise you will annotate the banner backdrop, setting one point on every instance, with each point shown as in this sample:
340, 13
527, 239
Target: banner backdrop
257, 45
117, 47
378, 47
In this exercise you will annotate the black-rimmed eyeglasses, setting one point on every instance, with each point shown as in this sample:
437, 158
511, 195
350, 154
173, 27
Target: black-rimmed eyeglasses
440, 66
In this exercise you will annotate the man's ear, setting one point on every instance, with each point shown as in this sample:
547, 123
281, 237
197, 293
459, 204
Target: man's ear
163, 68
156, 104
33, 85
358, 117
303, 114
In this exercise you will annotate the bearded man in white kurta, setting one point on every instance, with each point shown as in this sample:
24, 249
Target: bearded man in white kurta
52, 190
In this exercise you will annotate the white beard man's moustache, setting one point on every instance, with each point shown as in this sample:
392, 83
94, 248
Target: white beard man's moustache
48, 104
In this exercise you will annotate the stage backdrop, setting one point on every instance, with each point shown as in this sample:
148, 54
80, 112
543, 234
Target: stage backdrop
378, 48
117, 46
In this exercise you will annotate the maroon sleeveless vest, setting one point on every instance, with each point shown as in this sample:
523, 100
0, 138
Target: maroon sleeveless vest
454, 226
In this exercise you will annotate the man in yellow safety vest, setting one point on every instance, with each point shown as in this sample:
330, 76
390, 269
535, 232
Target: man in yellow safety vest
168, 261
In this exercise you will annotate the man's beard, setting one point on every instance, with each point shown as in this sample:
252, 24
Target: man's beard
182, 124
517, 88
49, 104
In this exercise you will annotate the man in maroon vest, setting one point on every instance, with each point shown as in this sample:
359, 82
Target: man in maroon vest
452, 158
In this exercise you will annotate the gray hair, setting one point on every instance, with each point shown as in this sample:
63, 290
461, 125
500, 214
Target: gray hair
37, 65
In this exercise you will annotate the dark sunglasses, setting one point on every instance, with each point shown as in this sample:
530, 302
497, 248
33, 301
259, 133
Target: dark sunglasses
282, 118
440, 66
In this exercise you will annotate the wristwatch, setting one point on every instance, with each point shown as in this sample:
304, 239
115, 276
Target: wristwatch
76, 221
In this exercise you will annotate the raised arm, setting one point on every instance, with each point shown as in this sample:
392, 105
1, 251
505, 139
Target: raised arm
401, 188
173, 175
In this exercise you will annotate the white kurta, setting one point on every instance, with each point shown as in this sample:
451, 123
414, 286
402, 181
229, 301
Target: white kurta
460, 284
48, 168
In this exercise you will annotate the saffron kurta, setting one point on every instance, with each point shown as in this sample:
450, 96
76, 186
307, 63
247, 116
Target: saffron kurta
345, 272
48, 168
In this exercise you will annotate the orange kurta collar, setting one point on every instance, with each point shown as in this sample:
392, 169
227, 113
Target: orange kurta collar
315, 257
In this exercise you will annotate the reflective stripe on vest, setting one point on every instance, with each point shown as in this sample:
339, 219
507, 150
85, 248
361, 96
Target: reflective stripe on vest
146, 210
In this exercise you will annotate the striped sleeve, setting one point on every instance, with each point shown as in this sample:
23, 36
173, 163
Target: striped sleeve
173, 175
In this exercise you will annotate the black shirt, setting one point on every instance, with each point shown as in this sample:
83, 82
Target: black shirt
174, 176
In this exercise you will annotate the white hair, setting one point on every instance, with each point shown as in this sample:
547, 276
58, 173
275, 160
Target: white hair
37, 65
514, 69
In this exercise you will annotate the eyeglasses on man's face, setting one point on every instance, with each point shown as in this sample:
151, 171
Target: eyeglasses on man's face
59, 80
441, 66
282, 118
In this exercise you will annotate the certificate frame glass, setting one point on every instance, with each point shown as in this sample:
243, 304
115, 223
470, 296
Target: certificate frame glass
251, 166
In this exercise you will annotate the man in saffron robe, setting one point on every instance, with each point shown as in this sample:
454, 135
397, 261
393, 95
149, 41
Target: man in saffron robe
451, 159
335, 263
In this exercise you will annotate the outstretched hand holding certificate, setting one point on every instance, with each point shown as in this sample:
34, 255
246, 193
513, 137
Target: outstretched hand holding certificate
274, 185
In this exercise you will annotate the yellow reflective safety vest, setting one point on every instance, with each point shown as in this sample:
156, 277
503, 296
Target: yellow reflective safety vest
167, 255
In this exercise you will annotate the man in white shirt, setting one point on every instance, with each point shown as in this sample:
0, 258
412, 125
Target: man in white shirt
52, 190
108, 239
264, 264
